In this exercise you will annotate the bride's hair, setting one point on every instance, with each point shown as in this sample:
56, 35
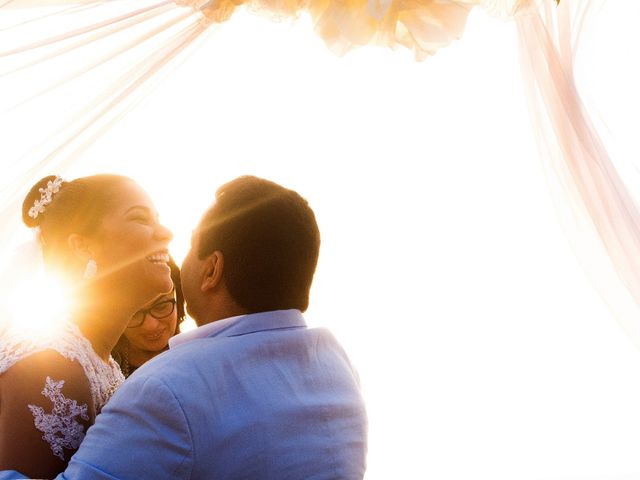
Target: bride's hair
78, 207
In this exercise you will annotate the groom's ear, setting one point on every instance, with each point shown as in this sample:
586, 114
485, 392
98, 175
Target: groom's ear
213, 270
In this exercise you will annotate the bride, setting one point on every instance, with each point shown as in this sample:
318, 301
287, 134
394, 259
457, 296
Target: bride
102, 234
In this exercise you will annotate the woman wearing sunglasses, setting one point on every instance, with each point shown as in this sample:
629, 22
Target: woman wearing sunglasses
150, 329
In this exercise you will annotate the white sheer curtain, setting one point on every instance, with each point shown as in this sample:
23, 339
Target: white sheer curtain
145, 36
116, 47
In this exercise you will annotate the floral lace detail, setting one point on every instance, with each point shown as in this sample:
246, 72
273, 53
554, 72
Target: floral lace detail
104, 378
61, 428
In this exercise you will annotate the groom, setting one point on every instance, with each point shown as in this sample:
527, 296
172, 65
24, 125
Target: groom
253, 393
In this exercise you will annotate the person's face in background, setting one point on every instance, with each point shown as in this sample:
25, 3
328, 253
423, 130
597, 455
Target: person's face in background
158, 324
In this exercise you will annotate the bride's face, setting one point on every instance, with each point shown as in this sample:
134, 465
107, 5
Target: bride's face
131, 247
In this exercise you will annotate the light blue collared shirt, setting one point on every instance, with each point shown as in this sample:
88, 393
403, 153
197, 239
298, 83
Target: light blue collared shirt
258, 396
208, 330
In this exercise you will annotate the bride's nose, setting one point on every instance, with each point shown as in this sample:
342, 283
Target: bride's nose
163, 233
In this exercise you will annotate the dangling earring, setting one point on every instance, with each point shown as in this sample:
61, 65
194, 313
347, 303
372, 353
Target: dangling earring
90, 270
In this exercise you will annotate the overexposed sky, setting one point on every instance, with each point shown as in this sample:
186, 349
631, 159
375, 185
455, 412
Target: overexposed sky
484, 351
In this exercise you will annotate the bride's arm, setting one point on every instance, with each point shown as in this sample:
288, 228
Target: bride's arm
45, 409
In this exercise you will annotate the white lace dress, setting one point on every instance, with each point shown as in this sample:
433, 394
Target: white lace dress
60, 426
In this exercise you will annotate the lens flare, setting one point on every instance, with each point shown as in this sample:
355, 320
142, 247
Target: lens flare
39, 305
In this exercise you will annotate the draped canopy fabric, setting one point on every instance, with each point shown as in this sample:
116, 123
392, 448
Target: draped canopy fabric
549, 31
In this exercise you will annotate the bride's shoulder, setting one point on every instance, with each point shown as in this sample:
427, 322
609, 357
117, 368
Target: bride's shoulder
27, 358
17, 343
35, 368
44, 396
44, 375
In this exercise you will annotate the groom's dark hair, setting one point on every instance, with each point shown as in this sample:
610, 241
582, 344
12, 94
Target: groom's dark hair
270, 241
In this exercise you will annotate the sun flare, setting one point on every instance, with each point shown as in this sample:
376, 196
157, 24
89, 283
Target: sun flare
40, 305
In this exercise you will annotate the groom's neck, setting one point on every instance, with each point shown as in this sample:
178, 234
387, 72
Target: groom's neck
219, 309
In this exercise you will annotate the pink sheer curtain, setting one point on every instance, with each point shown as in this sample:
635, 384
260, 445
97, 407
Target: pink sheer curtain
599, 214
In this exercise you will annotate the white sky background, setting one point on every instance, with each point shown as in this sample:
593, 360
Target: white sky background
483, 349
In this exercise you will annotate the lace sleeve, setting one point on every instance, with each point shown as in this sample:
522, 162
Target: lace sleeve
45, 409
61, 427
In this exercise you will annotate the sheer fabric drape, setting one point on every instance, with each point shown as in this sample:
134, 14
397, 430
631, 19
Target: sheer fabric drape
597, 210
601, 217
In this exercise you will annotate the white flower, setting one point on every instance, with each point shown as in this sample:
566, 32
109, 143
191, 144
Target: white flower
46, 196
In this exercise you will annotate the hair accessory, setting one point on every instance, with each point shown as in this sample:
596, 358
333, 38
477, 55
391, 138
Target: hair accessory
90, 270
46, 195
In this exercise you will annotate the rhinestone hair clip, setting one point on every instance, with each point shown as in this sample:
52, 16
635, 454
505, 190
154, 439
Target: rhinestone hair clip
46, 196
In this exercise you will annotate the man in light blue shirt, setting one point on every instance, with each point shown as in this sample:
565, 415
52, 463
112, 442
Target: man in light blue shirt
252, 393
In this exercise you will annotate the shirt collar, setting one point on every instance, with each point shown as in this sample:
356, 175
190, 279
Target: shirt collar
243, 324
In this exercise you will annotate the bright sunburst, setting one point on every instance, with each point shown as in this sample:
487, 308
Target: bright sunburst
38, 304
